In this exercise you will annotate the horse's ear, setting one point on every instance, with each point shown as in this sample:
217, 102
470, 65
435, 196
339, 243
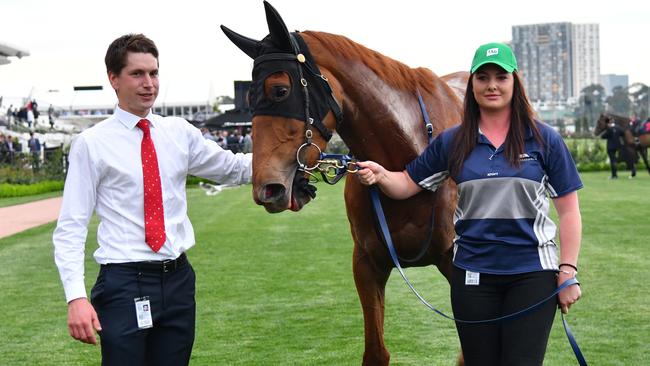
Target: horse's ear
248, 45
278, 31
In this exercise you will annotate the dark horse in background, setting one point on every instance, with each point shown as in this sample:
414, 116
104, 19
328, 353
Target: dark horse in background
636, 142
314, 76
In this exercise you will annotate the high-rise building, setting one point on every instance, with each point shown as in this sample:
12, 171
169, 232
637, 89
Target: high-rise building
586, 56
611, 81
557, 60
544, 56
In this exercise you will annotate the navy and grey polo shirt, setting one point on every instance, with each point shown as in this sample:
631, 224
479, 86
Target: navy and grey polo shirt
502, 220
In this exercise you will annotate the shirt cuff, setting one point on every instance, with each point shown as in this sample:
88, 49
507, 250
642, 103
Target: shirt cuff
75, 290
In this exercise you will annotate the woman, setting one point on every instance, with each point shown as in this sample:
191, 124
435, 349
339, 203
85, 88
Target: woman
506, 166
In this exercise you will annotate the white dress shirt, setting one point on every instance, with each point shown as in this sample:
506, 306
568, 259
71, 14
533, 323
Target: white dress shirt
105, 175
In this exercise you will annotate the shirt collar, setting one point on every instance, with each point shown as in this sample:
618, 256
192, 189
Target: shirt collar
482, 139
129, 120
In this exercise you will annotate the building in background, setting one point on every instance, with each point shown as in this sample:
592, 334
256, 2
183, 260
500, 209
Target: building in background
557, 60
586, 56
237, 118
611, 81
544, 56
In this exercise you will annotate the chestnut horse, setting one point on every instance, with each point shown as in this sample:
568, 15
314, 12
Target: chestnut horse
371, 101
632, 145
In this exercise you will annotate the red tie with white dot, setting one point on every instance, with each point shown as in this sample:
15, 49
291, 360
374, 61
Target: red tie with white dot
154, 215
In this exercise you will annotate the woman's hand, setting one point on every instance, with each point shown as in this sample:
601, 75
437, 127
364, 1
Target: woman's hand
570, 294
370, 172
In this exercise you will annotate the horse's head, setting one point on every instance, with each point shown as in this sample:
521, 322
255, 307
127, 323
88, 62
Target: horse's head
601, 125
294, 112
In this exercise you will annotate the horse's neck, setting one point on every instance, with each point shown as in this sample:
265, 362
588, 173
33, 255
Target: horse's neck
382, 118
382, 122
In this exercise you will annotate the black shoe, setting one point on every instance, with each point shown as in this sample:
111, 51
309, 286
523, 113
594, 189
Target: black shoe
613, 177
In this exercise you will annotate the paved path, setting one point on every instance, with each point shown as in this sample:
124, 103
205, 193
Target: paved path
14, 219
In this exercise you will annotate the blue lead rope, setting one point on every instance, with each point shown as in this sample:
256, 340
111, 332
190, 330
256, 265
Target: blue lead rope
385, 233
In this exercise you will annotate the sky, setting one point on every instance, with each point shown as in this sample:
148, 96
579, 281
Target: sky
67, 39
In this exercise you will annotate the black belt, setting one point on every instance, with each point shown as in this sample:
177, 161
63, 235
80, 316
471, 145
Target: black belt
168, 265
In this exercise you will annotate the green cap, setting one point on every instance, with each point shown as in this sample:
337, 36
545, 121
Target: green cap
494, 53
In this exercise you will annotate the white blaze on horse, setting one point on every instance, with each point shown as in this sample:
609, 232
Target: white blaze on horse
307, 85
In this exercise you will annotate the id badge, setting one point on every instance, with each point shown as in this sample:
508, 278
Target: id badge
472, 278
143, 312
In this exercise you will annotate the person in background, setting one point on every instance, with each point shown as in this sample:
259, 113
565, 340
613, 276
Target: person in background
207, 135
9, 149
506, 165
615, 141
3, 148
10, 116
50, 116
131, 170
34, 145
30, 115
248, 141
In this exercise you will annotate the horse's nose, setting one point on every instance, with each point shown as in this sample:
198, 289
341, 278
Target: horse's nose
271, 193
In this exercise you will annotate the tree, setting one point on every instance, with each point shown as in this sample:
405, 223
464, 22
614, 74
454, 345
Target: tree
640, 102
619, 101
590, 105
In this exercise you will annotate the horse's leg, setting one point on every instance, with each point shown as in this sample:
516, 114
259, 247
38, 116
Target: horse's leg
371, 286
630, 158
643, 151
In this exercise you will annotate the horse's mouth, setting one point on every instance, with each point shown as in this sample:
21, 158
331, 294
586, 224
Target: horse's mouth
275, 197
301, 192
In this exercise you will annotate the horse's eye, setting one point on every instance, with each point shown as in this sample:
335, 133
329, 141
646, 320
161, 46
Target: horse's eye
279, 93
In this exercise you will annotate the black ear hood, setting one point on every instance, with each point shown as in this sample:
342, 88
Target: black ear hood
278, 39
248, 45
278, 32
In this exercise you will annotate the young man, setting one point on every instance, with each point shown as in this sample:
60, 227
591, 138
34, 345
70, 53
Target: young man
35, 149
131, 170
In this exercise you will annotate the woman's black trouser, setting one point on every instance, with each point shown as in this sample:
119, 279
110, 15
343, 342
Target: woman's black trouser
519, 341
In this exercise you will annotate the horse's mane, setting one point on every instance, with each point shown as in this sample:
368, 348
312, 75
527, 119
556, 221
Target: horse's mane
624, 120
610, 114
391, 71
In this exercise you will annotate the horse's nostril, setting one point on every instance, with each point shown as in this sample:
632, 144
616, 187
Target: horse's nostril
272, 192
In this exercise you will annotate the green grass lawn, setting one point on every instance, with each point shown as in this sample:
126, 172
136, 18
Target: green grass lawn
278, 289
11, 201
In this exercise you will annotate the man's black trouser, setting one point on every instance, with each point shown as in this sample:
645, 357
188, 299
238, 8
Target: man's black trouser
612, 162
519, 341
171, 295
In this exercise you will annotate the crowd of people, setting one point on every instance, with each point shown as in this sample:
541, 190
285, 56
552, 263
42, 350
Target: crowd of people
28, 114
236, 140
11, 148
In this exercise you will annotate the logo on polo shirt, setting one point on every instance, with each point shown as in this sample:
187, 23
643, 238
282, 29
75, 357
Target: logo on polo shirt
526, 157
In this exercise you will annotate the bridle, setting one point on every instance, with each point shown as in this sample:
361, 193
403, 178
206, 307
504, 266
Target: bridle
331, 166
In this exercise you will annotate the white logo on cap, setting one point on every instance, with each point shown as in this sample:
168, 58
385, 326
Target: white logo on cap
492, 52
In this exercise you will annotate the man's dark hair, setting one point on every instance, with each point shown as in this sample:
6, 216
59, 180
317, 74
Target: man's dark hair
116, 54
